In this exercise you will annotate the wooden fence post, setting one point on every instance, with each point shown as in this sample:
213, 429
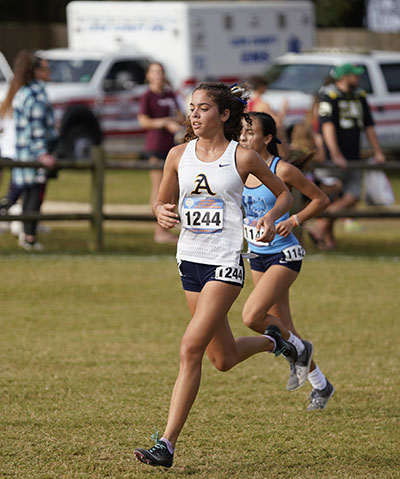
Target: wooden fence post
97, 198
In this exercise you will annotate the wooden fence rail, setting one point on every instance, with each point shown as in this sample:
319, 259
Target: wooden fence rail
98, 165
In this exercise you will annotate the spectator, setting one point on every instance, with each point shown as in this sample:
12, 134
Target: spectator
258, 85
34, 129
307, 143
343, 113
162, 118
7, 147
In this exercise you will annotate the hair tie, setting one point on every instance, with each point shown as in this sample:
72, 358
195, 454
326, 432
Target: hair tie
235, 88
241, 100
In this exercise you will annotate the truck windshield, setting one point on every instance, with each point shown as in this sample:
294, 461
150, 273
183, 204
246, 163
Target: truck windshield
72, 71
300, 77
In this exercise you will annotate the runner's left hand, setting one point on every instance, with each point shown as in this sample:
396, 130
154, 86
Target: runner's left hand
268, 225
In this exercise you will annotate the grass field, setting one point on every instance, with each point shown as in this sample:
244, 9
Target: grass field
89, 354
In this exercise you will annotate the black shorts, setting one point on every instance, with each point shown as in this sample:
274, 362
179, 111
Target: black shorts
265, 261
194, 276
160, 155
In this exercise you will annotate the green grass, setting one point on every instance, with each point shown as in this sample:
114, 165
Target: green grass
89, 355
130, 187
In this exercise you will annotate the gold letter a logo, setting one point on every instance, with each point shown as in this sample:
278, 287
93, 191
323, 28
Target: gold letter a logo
202, 184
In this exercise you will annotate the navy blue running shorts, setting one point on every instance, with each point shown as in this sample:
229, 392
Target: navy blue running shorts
194, 276
265, 261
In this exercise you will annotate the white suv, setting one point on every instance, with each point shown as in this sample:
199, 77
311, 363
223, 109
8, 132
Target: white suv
298, 77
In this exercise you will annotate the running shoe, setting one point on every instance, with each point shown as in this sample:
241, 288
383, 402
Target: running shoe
36, 246
158, 455
320, 397
282, 346
300, 369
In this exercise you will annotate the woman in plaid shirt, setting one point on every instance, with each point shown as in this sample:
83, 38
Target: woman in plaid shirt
34, 124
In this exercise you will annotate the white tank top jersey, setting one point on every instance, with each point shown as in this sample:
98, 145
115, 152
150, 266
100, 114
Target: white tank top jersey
210, 196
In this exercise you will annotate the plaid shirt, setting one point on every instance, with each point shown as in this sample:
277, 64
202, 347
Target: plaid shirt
34, 124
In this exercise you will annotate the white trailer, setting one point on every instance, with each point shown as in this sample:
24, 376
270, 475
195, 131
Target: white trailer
98, 81
195, 41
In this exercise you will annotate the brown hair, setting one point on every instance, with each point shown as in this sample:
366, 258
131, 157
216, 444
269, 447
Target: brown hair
302, 137
24, 69
300, 158
154, 63
226, 98
256, 81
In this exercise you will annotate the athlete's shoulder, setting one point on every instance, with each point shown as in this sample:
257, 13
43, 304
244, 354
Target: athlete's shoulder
180, 148
281, 166
288, 173
175, 153
245, 154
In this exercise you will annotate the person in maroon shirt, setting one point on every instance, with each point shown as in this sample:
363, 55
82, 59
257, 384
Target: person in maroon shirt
161, 117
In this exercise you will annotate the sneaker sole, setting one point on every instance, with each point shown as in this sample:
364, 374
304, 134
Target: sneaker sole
142, 458
308, 365
322, 408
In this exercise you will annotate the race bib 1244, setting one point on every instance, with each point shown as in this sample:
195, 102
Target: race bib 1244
203, 215
233, 274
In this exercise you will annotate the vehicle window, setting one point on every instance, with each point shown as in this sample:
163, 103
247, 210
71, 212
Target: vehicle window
125, 75
72, 71
391, 72
304, 77
365, 82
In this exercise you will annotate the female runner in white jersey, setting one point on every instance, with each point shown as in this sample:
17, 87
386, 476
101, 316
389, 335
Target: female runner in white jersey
209, 173
278, 263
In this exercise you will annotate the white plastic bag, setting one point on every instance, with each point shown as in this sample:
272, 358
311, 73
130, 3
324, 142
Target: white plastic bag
378, 190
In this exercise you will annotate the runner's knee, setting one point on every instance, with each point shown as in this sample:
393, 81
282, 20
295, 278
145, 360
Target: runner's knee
220, 362
252, 317
190, 352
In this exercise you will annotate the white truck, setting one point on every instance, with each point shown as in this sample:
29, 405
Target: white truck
297, 78
97, 82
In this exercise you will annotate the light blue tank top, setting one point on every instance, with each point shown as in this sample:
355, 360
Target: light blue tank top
256, 203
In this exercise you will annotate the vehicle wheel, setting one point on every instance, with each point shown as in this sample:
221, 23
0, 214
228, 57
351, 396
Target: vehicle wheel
78, 141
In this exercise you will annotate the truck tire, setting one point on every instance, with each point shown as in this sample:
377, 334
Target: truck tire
78, 141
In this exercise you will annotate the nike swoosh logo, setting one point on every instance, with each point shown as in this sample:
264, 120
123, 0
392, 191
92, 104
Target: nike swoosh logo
282, 261
221, 166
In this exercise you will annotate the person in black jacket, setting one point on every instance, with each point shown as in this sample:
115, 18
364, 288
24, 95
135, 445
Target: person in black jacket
343, 114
